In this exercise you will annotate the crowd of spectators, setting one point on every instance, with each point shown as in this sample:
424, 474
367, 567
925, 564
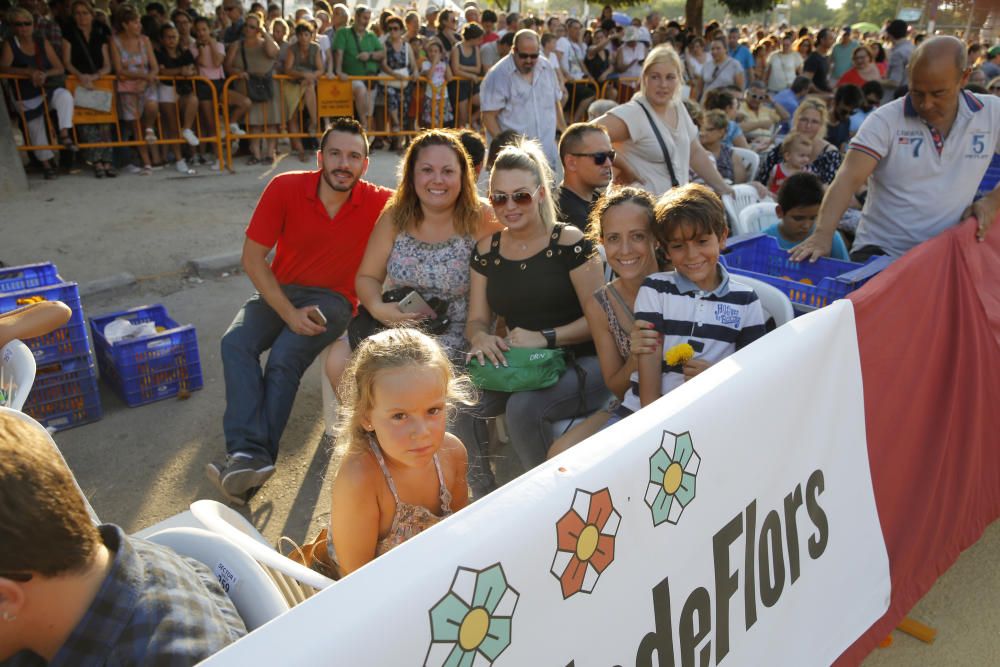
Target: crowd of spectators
447, 68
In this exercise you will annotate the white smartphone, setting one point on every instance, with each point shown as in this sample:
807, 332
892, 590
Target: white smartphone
317, 316
414, 303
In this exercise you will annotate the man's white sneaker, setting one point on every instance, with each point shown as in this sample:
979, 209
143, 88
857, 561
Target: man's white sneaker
190, 137
182, 167
234, 130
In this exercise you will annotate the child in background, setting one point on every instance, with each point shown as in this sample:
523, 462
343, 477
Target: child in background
796, 154
798, 206
697, 304
437, 108
401, 471
548, 45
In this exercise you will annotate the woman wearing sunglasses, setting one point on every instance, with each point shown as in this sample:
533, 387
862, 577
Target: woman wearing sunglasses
535, 274
655, 124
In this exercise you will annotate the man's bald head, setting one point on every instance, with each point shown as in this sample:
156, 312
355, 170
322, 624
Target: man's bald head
934, 50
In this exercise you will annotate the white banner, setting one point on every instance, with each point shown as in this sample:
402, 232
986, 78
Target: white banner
734, 520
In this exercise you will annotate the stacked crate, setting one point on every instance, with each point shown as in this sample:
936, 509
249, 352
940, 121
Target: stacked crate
149, 368
64, 393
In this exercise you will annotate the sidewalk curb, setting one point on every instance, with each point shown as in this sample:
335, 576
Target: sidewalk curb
222, 262
107, 283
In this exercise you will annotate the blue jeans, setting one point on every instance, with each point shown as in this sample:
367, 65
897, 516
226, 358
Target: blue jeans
258, 402
530, 415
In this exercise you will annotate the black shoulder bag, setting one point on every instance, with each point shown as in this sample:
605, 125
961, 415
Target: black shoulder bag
663, 145
259, 88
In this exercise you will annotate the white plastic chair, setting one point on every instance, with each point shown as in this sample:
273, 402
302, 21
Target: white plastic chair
750, 160
743, 195
296, 582
756, 218
17, 374
253, 592
774, 302
27, 419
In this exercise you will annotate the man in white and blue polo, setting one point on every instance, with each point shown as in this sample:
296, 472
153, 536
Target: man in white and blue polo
925, 153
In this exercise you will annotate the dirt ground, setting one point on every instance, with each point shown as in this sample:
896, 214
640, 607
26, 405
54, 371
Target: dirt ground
141, 465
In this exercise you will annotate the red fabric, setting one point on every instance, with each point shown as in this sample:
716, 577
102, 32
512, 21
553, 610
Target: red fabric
313, 250
929, 337
851, 76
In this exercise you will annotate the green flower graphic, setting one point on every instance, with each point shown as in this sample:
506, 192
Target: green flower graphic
471, 625
672, 471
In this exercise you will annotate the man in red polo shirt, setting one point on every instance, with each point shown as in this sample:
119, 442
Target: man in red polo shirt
319, 223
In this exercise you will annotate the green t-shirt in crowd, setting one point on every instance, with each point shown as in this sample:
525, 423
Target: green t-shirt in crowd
842, 54
351, 44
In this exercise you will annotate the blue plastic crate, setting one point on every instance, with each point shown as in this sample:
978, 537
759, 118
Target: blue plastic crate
66, 342
79, 403
17, 278
151, 368
69, 377
759, 256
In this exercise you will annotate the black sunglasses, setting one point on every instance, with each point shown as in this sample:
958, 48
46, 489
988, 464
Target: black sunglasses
21, 24
599, 158
527, 56
17, 576
520, 198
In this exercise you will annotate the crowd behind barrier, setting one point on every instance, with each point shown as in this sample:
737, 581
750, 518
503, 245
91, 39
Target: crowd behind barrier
113, 117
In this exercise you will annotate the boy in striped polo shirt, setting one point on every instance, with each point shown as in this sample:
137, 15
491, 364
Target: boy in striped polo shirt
697, 304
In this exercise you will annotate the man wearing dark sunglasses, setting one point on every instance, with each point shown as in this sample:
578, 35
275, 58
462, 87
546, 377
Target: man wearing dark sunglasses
521, 93
586, 155
75, 593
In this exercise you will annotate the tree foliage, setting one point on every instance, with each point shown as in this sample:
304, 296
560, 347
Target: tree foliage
744, 7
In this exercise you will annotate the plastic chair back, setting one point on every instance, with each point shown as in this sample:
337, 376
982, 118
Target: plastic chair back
750, 160
756, 218
743, 196
772, 300
17, 374
27, 419
296, 582
252, 591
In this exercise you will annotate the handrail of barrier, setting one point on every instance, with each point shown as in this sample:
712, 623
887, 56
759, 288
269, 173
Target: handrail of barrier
332, 103
624, 92
113, 117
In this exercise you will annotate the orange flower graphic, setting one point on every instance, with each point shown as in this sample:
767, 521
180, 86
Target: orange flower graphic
585, 541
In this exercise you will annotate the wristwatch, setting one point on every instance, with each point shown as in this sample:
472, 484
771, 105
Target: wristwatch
550, 338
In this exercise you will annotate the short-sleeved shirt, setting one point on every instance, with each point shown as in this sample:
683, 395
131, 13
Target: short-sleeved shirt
783, 67
573, 209
819, 65
153, 608
715, 323
535, 293
234, 32
899, 60
841, 56
572, 55
839, 250
716, 75
642, 151
527, 107
314, 250
923, 182
348, 41
763, 112
205, 66
742, 55
788, 100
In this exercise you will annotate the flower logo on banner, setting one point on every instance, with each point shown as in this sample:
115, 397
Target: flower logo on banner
672, 471
585, 541
471, 624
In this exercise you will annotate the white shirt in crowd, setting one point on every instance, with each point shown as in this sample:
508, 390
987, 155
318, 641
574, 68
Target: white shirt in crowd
783, 66
917, 192
571, 57
527, 107
633, 57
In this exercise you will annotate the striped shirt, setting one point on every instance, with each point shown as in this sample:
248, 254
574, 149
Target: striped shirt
715, 323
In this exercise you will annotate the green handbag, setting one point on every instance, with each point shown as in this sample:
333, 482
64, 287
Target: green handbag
527, 369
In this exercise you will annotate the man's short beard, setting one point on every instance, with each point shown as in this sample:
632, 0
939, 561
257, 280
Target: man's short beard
338, 188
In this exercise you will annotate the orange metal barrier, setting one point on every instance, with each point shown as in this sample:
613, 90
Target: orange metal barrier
621, 89
82, 116
333, 97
